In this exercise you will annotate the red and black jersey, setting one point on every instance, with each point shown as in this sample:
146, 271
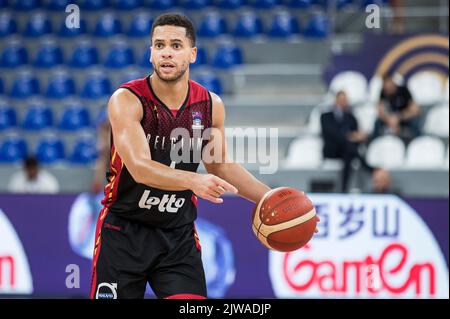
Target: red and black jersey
176, 139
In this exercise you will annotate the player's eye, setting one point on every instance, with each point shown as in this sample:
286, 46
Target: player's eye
177, 46
159, 45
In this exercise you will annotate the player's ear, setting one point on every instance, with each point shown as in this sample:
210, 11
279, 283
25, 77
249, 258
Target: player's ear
151, 57
193, 55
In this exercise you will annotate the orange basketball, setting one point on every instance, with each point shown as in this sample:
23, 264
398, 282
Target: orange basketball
284, 219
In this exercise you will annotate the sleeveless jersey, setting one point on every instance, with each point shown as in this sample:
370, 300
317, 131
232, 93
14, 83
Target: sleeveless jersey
148, 205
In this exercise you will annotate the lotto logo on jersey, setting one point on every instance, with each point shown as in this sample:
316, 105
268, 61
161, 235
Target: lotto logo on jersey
167, 203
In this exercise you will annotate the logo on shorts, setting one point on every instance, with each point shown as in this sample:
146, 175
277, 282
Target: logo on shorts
167, 203
106, 291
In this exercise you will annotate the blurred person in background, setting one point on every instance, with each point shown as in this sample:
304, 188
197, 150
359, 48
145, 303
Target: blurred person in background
398, 19
342, 138
381, 183
33, 179
398, 114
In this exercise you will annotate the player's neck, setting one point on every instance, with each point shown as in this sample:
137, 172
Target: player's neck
172, 94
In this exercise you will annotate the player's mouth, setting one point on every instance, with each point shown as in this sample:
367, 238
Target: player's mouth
167, 66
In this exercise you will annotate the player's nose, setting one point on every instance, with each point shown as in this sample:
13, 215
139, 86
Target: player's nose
167, 54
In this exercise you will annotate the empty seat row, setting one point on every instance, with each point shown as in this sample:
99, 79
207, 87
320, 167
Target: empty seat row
40, 116
97, 85
94, 5
120, 55
212, 24
61, 85
49, 150
249, 25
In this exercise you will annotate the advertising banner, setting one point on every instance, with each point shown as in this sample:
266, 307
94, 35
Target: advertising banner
368, 246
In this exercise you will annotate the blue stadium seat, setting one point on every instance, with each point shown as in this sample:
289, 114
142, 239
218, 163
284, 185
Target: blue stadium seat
50, 150
340, 4
84, 151
37, 117
8, 25
102, 116
4, 4
13, 149
202, 57
284, 25
93, 5
119, 56
96, 86
58, 5
24, 85
38, 25
13, 55
144, 61
161, 4
48, 55
131, 75
140, 25
108, 25
299, 4
265, 4
126, 4
365, 3
84, 55
61, 85
230, 4
65, 32
227, 56
212, 25
317, 26
8, 117
194, 4
74, 117
248, 25
26, 5
322, 3
210, 81
1, 86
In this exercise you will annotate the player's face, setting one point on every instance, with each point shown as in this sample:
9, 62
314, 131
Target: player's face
171, 52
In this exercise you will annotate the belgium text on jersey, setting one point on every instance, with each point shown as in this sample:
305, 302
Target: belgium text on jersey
244, 145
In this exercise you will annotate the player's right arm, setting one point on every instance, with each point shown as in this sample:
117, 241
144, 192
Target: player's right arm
125, 114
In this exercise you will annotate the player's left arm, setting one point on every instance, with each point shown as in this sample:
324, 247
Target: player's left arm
217, 163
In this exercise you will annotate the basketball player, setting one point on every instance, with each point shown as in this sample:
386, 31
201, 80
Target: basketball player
145, 231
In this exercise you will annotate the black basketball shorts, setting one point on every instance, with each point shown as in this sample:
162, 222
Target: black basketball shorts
127, 255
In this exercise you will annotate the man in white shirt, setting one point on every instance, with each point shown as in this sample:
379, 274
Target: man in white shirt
33, 180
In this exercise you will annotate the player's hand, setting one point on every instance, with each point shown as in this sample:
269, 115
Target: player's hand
211, 187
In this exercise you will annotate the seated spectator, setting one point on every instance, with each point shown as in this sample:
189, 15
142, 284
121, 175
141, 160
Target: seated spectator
381, 183
342, 137
397, 112
32, 179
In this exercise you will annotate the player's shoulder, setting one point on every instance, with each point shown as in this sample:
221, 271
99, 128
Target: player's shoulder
124, 101
137, 86
135, 82
216, 99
